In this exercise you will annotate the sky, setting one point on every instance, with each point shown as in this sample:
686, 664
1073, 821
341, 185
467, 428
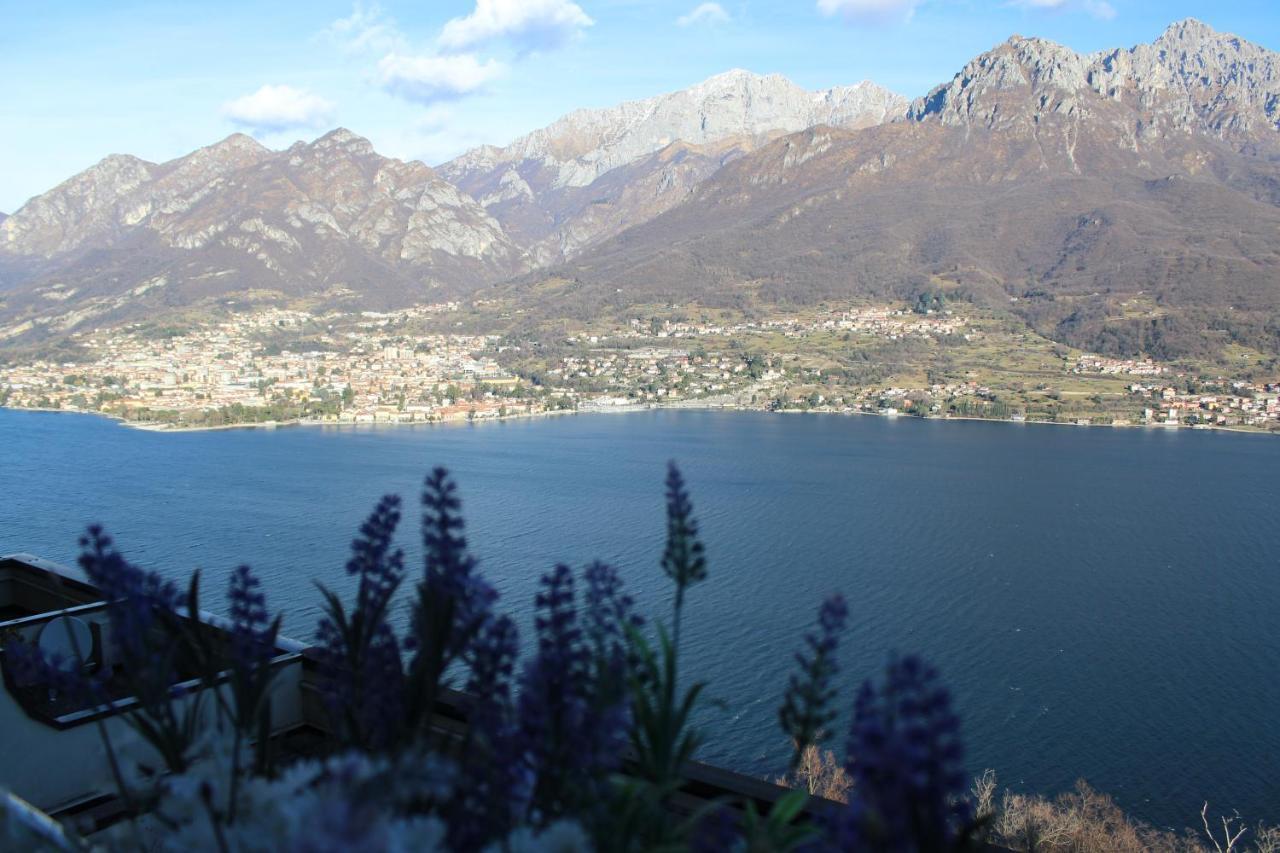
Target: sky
81, 79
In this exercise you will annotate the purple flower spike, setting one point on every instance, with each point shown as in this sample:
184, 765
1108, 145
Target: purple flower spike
905, 757
806, 709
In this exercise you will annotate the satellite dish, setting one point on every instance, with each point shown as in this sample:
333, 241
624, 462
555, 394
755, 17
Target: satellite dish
65, 635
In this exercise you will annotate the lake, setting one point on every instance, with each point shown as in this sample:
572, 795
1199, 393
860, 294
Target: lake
1102, 602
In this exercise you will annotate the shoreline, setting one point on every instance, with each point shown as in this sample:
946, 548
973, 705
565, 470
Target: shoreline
299, 422
146, 426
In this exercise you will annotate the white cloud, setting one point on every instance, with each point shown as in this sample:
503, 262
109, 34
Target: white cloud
427, 79
451, 70
706, 13
366, 30
1100, 9
528, 24
870, 11
276, 108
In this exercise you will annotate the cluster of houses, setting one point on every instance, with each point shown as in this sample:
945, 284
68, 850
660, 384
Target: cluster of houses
1247, 404
365, 377
885, 322
1097, 364
653, 374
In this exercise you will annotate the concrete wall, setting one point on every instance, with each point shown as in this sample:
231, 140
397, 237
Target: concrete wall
54, 768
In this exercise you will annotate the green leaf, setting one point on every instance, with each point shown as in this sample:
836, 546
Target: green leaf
788, 808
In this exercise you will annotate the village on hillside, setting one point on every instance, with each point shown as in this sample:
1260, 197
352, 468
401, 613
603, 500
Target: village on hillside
276, 365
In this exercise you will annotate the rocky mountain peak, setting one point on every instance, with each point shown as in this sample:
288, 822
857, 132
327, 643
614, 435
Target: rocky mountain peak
735, 81
1194, 78
85, 204
1048, 64
732, 77
595, 172
1191, 78
1196, 52
335, 195
326, 219
582, 146
343, 140
203, 164
236, 143
980, 92
1187, 30
114, 162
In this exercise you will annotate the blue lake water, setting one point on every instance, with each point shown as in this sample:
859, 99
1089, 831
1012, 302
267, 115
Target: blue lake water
1103, 603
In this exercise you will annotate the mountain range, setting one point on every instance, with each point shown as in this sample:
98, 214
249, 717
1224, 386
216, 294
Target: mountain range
1126, 201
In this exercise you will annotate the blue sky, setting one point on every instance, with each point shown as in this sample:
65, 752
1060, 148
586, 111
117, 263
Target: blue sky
429, 79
